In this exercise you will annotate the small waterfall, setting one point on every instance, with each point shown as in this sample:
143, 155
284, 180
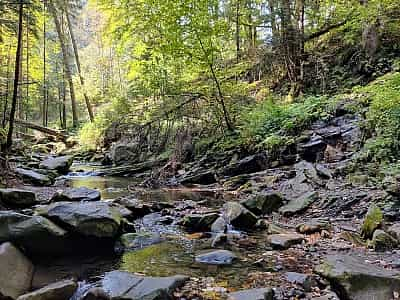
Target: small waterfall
83, 288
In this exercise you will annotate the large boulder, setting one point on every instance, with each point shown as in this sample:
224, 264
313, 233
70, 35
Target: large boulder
60, 164
199, 222
96, 219
76, 195
251, 164
33, 177
382, 241
239, 216
62, 290
253, 294
299, 204
264, 203
354, 279
127, 286
34, 233
16, 272
17, 198
124, 153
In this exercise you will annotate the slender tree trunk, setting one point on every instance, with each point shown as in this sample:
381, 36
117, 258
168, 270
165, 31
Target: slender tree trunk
16, 78
78, 64
216, 81
237, 31
68, 72
4, 121
44, 108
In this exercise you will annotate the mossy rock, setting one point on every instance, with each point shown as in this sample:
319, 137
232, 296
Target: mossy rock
382, 241
373, 220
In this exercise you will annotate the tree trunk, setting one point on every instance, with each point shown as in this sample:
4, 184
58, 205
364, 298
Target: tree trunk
4, 121
16, 78
237, 31
78, 64
65, 55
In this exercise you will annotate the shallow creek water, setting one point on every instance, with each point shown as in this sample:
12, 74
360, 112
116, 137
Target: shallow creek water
174, 255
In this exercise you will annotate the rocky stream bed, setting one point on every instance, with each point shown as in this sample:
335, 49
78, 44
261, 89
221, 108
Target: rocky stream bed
230, 227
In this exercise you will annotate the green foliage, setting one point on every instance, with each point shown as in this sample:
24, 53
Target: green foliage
272, 124
383, 118
91, 134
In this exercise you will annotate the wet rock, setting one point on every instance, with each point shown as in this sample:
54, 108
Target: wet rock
138, 240
239, 216
217, 257
60, 164
96, 293
219, 225
16, 272
253, 294
97, 219
138, 208
382, 241
251, 164
284, 241
127, 286
205, 178
264, 203
300, 204
372, 221
17, 198
219, 240
34, 233
33, 177
354, 279
62, 290
199, 222
305, 280
76, 195
312, 226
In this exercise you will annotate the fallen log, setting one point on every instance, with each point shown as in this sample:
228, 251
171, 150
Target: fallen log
53, 132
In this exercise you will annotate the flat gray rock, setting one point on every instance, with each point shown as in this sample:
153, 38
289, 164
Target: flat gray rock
60, 164
253, 294
355, 279
77, 195
33, 177
284, 240
127, 286
217, 257
62, 290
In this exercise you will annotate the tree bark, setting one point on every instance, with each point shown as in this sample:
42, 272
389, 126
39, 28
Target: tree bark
78, 64
68, 72
16, 78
